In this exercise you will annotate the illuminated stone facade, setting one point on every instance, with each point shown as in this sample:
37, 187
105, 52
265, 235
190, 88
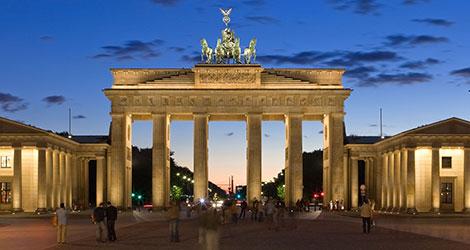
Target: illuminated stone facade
40, 169
237, 92
426, 169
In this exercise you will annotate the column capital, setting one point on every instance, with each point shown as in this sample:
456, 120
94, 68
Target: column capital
294, 114
99, 157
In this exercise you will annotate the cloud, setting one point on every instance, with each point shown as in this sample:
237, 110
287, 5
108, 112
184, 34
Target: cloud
412, 2
360, 72
363, 7
332, 58
464, 72
79, 117
434, 21
10, 103
229, 134
412, 40
166, 2
262, 19
46, 38
399, 78
267, 135
177, 49
54, 100
420, 64
130, 50
194, 57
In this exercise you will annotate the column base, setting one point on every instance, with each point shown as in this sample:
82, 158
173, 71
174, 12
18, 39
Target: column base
412, 210
466, 210
435, 210
402, 210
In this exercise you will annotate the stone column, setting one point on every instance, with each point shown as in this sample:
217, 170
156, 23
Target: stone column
75, 180
253, 155
86, 182
466, 178
354, 183
435, 176
62, 188
80, 188
410, 187
385, 181
404, 179
100, 176
201, 155
371, 188
120, 130
367, 173
55, 179
378, 181
17, 180
333, 155
42, 182
68, 180
293, 169
391, 181
49, 192
397, 184
347, 198
161, 161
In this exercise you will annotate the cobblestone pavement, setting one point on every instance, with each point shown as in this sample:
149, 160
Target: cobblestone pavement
328, 231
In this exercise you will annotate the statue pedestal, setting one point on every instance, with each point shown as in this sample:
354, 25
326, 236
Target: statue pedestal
227, 75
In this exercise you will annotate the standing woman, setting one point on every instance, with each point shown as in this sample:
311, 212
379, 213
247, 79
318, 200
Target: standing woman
366, 213
61, 224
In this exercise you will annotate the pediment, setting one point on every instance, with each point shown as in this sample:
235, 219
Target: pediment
8, 126
452, 126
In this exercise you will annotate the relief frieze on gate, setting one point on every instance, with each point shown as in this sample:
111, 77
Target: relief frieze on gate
230, 100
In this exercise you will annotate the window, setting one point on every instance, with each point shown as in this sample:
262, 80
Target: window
5, 192
446, 193
446, 162
5, 162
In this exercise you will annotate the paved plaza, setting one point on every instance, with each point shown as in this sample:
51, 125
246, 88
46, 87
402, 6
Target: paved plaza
308, 231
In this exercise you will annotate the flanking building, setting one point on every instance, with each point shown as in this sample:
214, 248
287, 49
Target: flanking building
426, 169
40, 169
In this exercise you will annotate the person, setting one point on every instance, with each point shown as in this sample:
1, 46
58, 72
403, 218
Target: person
174, 220
98, 219
366, 213
243, 206
254, 210
270, 213
233, 211
211, 225
111, 217
61, 214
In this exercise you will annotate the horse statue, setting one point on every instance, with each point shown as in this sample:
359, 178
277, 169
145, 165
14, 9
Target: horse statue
206, 51
236, 51
219, 52
250, 52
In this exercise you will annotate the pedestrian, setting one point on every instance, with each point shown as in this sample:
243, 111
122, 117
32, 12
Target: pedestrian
174, 220
98, 219
254, 210
243, 207
211, 229
366, 213
61, 214
270, 213
111, 217
233, 211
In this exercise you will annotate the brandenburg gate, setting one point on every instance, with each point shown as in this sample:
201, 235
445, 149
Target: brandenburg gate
219, 91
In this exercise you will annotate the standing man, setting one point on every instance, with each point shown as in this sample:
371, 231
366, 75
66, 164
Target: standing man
174, 220
366, 214
61, 224
243, 207
98, 219
111, 217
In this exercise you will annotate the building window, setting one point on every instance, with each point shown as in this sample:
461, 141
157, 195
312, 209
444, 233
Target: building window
446, 162
446, 193
5, 192
5, 162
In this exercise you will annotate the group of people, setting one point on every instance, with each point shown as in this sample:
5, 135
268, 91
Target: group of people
104, 217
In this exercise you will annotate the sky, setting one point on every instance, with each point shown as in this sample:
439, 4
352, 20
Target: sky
408, 57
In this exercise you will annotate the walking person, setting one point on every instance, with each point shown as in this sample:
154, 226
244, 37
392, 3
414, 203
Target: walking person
111, 217
61, 214
174, 220
98, 219
254, 210
211, 229
366, 214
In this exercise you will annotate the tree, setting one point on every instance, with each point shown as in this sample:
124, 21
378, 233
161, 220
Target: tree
281, 192
176, 193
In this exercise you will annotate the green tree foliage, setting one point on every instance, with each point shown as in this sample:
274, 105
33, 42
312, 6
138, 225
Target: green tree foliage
281, 192
176, 193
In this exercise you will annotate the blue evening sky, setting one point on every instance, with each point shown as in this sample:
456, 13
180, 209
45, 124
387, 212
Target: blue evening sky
409, 57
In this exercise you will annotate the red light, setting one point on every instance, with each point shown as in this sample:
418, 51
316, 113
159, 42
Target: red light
315, 196
322, 194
